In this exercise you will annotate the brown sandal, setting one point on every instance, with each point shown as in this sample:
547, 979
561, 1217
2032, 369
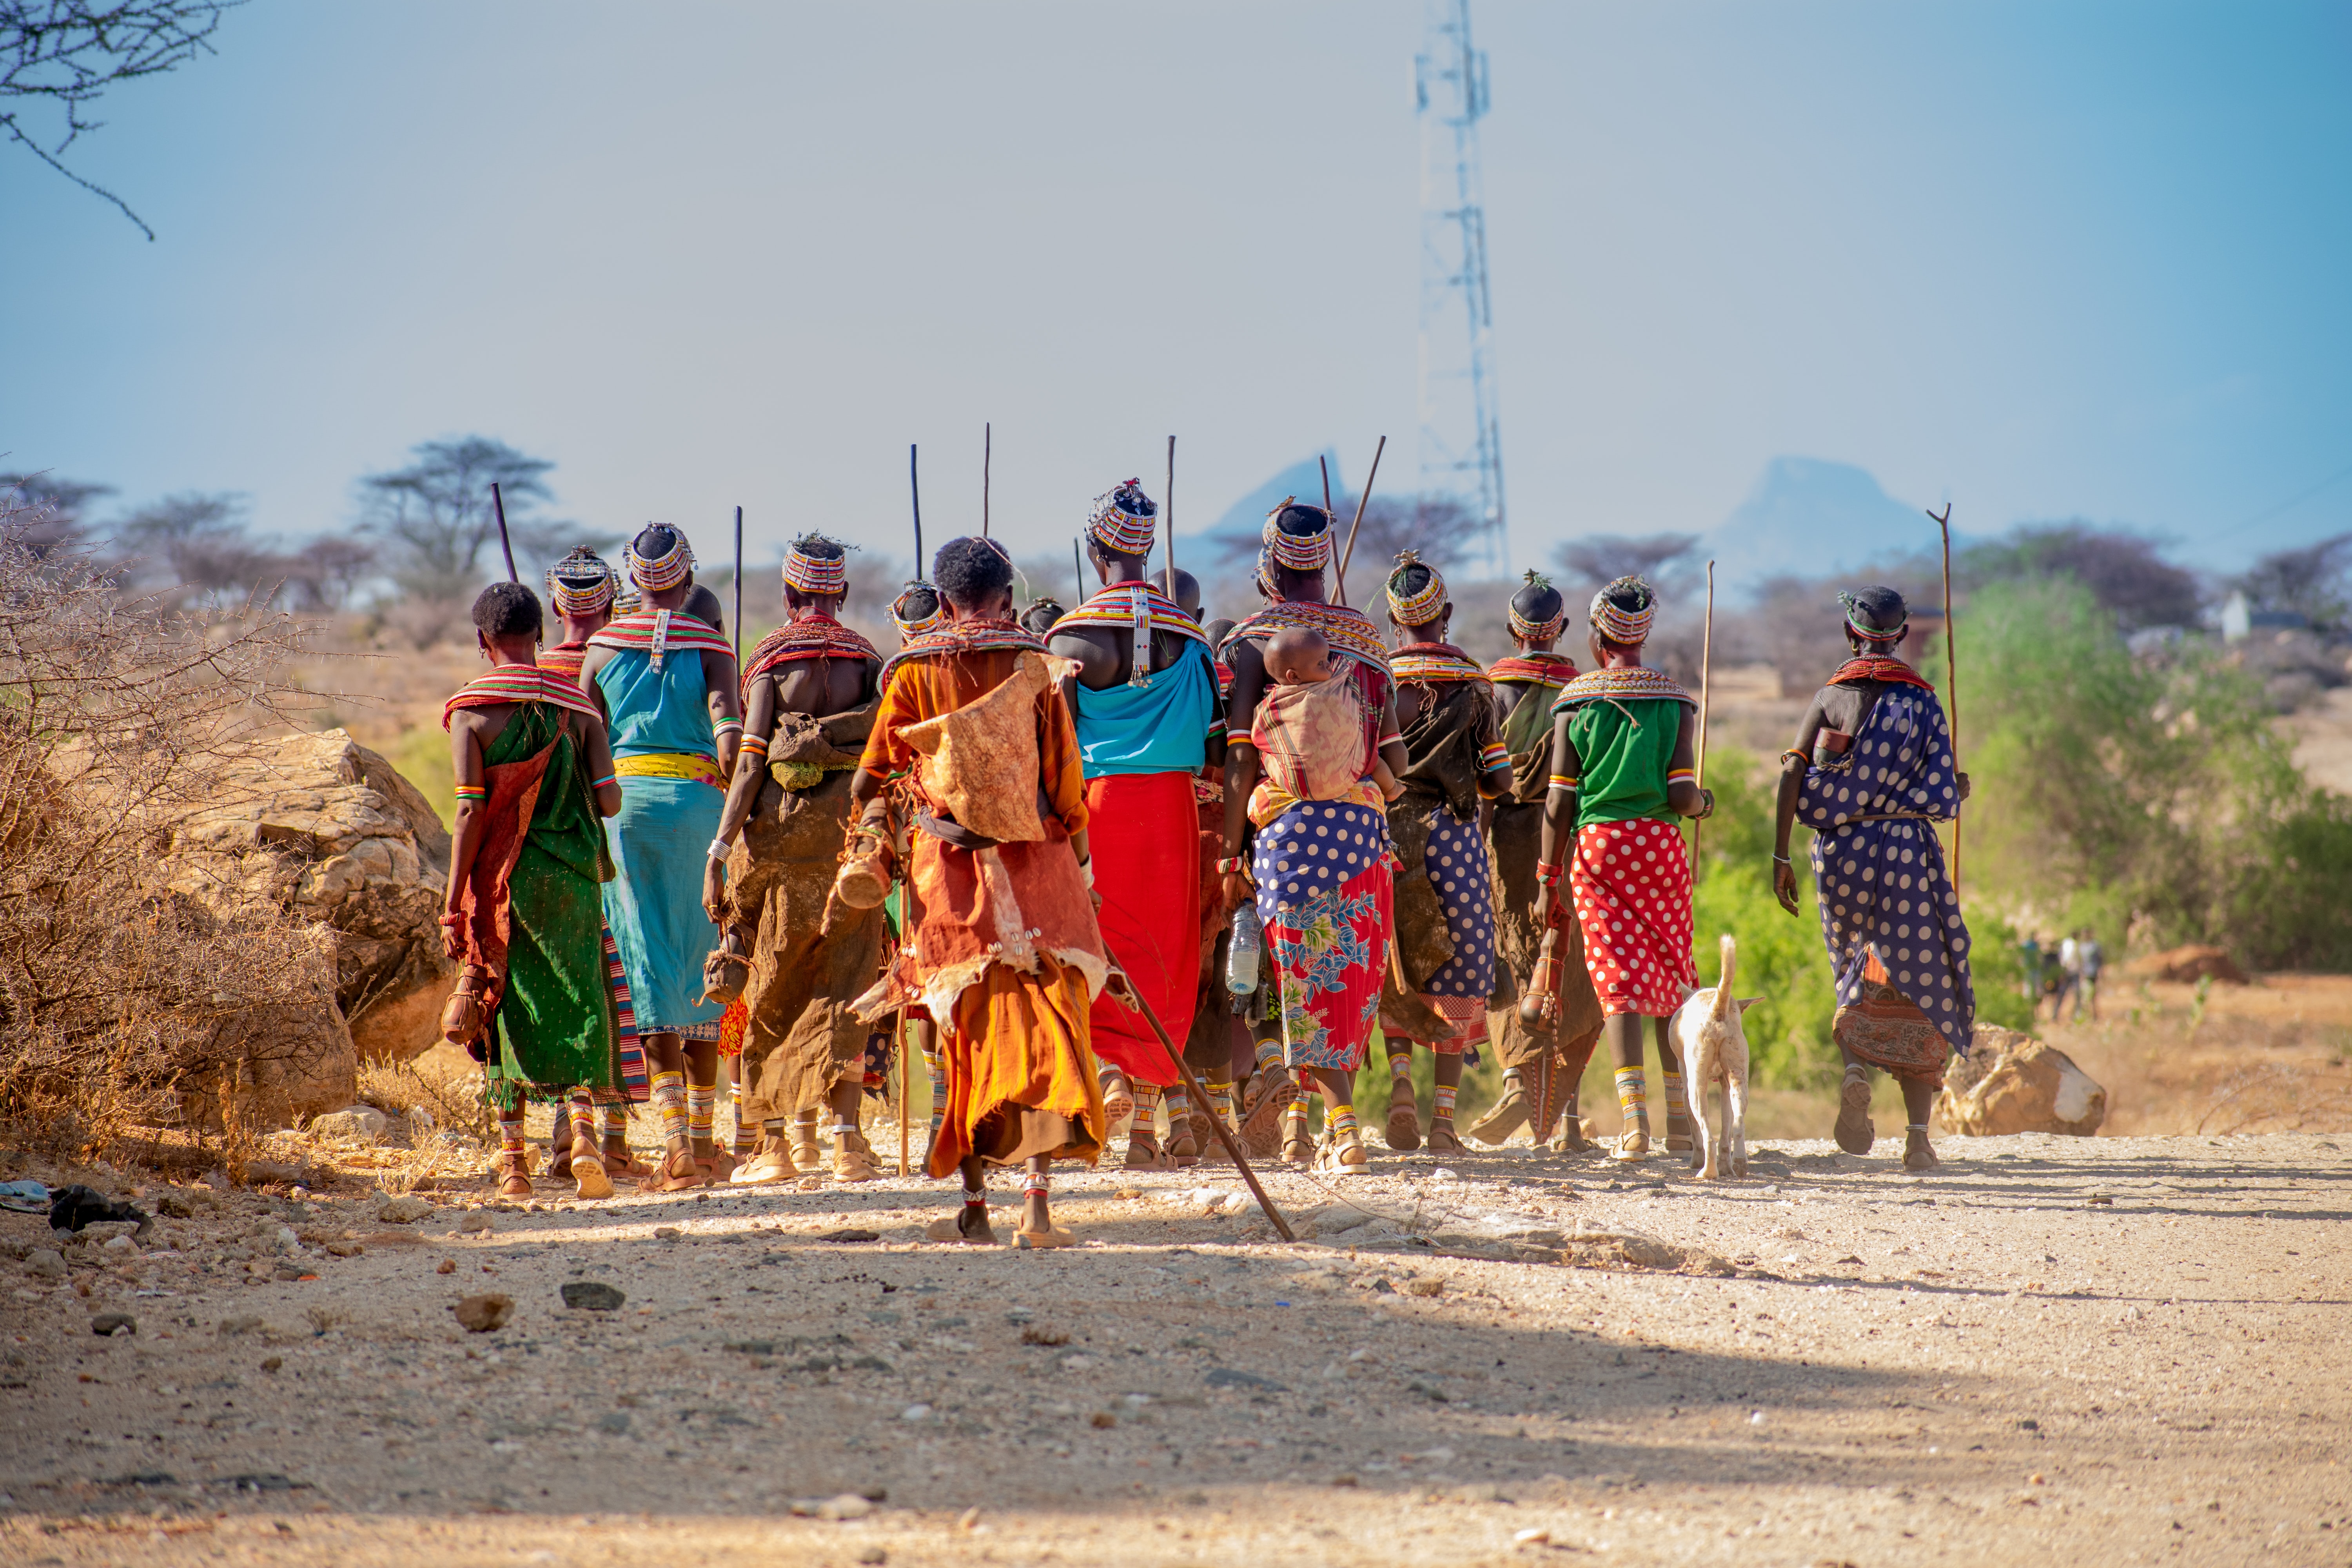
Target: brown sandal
587, 1169
513, 1179
676, 1174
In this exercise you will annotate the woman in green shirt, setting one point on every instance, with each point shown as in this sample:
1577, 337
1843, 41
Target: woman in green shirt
1621, 771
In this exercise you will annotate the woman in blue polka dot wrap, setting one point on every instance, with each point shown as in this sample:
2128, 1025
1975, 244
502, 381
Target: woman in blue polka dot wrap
1871, 773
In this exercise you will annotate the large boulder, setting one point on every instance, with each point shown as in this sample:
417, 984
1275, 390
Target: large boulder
2010, 1082
2186, 965
328, 829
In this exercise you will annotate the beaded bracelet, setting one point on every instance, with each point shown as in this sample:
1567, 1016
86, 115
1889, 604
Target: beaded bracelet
719, 849
1548, 875
1231, 864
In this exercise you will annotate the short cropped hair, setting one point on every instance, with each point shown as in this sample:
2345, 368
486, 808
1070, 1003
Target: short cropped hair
507, 610
970, 571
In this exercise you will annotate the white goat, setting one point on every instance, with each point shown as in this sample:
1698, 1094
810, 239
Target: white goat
1713, 1048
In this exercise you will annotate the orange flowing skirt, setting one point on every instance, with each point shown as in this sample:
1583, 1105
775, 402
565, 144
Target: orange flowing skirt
1021, 1077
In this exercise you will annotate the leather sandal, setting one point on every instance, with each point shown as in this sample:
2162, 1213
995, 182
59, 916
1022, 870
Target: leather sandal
513, 1181
1506, 1116
587, 1169
676, 1174
1854, 1131
1441, 1139
1344, 1157
1404, 1131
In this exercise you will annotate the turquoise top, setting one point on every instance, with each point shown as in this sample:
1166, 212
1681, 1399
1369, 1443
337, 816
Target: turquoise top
666, 709
1160, 726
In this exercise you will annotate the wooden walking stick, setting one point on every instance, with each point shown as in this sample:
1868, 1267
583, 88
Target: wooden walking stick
1078, 573
1349, 554
739, 587
1706, 676
914, 488
1167, 515
1192, 1086
906, 1101
498, 506
987, 460
1951, 682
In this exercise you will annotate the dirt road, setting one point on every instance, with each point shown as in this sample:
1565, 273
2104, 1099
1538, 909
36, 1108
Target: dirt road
2111, 1349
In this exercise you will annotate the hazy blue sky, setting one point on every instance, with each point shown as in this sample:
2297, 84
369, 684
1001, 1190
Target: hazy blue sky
2046, 260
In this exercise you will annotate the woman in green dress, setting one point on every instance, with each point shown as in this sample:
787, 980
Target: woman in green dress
524, 910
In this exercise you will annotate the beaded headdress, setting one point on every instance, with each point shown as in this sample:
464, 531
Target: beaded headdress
907, 614
1298, 552
819, 576
1414, 609
1623, 626
1124, 519
1855, 614
1537, 631
580, 583
655, 573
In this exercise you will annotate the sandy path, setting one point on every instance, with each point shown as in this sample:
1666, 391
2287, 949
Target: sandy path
1977, 1366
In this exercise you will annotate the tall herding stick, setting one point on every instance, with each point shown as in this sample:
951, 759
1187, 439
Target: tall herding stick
915, 486
739, 587
1951, 682
1134, 999
499, 505
1168, 513
1706, 671
1077, 572
1349, 554
987, 459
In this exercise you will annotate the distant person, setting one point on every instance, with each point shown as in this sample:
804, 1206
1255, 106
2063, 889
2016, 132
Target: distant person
2030, 952
2090, 958
2070, 978
2049, 980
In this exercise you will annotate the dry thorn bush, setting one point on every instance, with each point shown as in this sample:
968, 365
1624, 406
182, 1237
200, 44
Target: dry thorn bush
452, 1099
126, 1001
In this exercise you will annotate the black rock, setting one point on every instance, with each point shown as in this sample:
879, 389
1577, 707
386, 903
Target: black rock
113, 1324
592, 1295
1230, 1377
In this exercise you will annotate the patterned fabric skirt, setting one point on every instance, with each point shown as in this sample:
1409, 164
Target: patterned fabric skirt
1630, 885
1886, 902
1326, 894
1457, 864
660, 842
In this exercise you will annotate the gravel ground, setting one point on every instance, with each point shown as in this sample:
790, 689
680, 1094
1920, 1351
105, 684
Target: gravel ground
2114, 1349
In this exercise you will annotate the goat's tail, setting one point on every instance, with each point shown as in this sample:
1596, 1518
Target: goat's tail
1729, 950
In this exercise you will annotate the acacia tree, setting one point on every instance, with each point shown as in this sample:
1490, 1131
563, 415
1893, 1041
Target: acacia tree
62, 54
436, 513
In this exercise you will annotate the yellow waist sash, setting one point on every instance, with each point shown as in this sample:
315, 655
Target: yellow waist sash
671, 765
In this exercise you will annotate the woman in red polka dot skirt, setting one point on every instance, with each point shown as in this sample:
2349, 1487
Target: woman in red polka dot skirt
1621, 771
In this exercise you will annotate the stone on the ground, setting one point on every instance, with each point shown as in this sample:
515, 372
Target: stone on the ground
476, 1220
2010, 1082
592, 1295
403, 1210
110, 1323
483, 1314
355, 1122
46, 1263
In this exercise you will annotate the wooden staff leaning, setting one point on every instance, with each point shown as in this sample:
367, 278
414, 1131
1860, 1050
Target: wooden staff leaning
1706, 676
1350, 552
1167, 515
498, 509
1951, 684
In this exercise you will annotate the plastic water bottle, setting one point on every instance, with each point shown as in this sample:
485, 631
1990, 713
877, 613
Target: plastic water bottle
1242, 956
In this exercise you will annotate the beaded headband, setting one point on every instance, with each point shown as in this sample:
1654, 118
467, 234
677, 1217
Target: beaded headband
819, 576
1414, 609
909, 624
1537, 631
1621, 626
1868, 633
661, 572
580, 583
1298, 552
1125, 519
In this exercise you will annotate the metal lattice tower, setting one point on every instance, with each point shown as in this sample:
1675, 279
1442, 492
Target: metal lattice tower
1461, 442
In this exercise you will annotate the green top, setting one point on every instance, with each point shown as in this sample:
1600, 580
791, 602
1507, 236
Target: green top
556, 1030
1625, 745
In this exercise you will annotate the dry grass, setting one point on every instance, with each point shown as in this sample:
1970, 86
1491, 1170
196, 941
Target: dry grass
126, 1001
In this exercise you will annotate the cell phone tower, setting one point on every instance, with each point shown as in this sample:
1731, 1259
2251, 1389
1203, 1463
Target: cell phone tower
1461, 441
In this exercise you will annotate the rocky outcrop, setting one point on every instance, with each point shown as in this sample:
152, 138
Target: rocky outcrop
2010, 1082
2186, 965
328, 829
